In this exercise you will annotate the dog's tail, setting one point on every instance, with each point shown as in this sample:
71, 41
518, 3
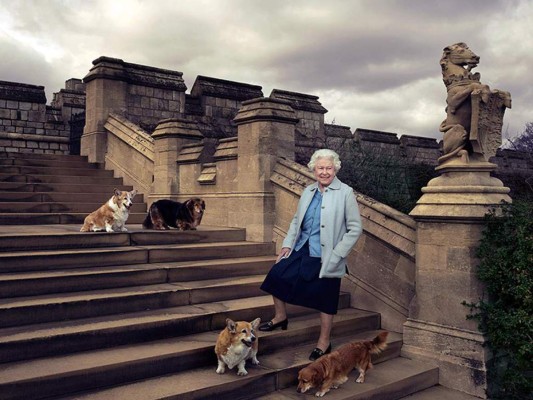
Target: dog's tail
147, 223
379, 343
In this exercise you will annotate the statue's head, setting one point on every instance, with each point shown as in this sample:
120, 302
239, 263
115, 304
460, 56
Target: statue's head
459, 54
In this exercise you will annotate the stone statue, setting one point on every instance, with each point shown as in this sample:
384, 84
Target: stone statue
474, 113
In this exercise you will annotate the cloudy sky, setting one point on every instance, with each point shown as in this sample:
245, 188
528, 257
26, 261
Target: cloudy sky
373, 63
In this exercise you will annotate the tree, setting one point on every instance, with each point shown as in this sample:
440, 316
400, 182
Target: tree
524, 141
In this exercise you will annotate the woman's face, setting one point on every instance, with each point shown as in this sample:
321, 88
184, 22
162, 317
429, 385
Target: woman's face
324, 172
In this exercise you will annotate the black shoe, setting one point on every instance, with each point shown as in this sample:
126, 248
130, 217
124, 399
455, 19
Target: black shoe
317, 353
270, 326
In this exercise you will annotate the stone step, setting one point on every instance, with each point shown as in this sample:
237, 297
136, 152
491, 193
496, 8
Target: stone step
37, 156
80, 171
56, 218
61, 188
121, 365
45, 260
440, 393
55, 237
390, 380
60, 179
50, 163
53, 207
100, 198
74, 280
49, 339
92, 303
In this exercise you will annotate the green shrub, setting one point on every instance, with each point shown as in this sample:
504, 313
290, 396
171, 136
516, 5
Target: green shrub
506, 315
388, 178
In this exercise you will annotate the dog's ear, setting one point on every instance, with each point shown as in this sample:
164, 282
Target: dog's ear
133, 193
116, 192
255, 323
231, 325
320, 371
203, 205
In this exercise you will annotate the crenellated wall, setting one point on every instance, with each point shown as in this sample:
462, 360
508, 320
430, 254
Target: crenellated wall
28, 125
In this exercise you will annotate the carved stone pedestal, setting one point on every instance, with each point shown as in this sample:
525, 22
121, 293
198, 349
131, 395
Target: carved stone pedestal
449, 219
169, 138
265, 133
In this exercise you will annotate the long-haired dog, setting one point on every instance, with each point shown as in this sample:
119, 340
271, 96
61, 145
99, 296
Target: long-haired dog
164, 214
331, 370
112, 215
236, 344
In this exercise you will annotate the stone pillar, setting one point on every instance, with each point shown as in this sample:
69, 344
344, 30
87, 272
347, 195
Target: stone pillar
265, 133
169, 138
449, 218
140, 93
105, 93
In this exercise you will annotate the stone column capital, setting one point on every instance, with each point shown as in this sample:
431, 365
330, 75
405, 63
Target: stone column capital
266, 109
177, 128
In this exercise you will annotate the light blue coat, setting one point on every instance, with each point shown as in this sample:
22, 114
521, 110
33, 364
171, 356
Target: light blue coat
340, 225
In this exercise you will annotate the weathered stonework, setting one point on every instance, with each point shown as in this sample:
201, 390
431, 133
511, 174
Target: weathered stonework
130, 153
144, 95
27, 124
265, 134
170, 137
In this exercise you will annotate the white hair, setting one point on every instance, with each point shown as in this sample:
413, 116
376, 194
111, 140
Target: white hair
325, 153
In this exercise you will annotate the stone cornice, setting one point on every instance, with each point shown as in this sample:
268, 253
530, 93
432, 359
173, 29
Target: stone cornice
266, 109
22, 92
135, 74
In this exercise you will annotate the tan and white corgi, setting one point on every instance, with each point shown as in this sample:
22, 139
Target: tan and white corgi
112, 216
236, 344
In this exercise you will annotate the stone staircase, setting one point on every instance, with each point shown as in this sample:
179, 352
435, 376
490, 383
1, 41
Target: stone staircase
135, 315
56, 189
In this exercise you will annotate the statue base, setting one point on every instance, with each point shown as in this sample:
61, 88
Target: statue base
463, 190
449, 218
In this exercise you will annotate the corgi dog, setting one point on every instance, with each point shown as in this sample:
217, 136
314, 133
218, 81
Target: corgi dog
112, 216
236, 344
331, 370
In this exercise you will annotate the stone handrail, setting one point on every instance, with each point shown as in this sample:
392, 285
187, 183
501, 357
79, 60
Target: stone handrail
130, 152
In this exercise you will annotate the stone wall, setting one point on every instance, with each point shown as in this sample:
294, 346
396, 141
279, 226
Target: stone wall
28, 125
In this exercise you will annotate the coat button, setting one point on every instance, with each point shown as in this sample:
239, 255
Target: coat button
323, 226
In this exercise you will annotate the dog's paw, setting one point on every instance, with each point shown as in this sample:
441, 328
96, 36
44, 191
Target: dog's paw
242, 372
361, 379
221, 370
255, 361
320, 394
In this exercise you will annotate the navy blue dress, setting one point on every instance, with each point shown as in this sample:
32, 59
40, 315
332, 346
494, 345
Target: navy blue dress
295, 280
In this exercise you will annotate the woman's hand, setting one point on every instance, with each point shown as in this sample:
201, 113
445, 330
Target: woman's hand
284, 253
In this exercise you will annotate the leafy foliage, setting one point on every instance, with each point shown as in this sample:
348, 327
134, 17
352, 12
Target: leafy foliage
387, 178
524, 141
506, 316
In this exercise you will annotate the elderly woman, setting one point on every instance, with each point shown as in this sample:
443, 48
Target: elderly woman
311, 263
